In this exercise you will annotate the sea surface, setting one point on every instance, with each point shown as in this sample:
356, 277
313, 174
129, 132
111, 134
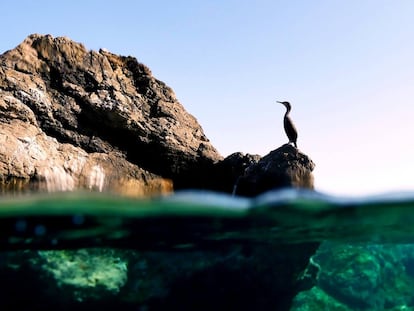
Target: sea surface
365, 260
56, 220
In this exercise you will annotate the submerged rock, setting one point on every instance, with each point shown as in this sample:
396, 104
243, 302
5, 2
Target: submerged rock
316, 299
360, 277
84, 274
77, 109
237, 277
282, 168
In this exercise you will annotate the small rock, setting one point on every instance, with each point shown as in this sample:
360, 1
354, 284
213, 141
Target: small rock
281, 168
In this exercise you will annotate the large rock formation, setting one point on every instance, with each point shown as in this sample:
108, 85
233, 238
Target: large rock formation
71, 114
72, 118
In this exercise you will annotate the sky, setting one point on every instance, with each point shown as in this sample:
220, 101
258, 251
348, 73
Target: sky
347, 67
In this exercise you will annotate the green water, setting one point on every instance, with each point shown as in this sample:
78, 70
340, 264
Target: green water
91, 250
51, 220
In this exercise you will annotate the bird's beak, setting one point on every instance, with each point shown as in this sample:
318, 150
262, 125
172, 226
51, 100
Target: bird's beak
279, 102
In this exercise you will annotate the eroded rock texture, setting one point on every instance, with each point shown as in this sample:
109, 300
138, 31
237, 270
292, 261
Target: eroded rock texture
92, 119
284, 167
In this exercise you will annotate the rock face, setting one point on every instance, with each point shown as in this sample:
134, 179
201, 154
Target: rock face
283, 167
32, 160
92, 119
227, 172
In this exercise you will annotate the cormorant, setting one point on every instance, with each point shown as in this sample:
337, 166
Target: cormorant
290, 128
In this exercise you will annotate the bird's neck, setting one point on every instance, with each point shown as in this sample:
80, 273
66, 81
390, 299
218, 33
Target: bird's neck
287, 110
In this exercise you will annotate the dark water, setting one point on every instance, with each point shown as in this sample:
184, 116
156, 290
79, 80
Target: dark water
363, 258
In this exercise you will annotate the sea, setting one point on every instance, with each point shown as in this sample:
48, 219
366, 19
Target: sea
201, 250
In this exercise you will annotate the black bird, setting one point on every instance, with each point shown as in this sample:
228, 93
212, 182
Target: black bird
290, 128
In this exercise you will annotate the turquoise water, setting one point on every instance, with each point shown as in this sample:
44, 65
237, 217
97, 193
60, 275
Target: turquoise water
86, 250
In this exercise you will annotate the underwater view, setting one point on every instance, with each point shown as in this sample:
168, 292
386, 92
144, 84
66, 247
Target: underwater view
196, 250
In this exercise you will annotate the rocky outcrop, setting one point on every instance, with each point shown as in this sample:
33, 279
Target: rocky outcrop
226, 173
70, 112
72, 118
282, 168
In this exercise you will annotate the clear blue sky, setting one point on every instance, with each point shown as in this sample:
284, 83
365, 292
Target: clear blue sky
347, 67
